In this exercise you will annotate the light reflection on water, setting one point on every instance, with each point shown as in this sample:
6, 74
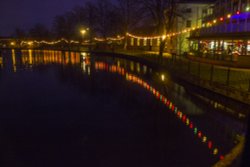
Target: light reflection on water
28, 59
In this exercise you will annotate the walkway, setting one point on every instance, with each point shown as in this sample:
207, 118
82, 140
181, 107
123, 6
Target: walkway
226, 80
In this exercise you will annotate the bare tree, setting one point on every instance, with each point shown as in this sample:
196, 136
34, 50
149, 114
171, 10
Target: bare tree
39, 32
162, 13
60, 26
130, 15
107, 18
19, 33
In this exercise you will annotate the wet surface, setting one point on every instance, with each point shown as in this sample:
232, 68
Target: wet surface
73, 109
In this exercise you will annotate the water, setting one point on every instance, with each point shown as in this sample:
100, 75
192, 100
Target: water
74, 109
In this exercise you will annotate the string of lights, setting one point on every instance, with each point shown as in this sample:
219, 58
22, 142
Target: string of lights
171, 107
172, 34
187, 30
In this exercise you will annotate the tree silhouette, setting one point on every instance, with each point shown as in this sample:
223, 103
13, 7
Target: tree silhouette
107, 19
162, 13
129, 12
19, 33
39, 32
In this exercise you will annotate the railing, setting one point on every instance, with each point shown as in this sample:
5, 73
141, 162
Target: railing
231, 82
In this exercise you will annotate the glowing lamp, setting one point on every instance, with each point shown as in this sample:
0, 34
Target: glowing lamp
204, 139
176, 110
163, 77
180, 115
199, 134
247, 8
163, 37
221, 157
215, 152
210, 144
184, 118
195, 130
238, 12
221, 19
172, 107
191, 125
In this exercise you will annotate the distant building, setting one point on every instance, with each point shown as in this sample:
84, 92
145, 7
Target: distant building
190, 14
225, 32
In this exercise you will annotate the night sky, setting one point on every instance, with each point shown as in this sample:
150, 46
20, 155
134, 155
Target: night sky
25, 13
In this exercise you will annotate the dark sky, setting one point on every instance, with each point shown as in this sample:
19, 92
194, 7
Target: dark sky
25, 13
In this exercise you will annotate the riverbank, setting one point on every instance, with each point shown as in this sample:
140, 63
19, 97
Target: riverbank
224, 80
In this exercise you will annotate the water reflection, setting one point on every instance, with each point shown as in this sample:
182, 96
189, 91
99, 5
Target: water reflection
168, 103
210, 128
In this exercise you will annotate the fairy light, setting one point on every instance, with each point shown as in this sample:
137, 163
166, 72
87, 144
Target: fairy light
208, 24
163, 37
144, 37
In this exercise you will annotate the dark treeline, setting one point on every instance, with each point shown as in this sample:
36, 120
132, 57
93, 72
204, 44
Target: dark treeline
106, 19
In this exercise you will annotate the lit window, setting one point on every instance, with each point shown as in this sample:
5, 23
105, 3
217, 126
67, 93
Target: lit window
145, 42
151, 42
138, 42
132, 42
158, 42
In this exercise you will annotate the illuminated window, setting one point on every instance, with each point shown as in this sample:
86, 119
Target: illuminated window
132, 42
158, 42
138, 42
151, 42
145, 42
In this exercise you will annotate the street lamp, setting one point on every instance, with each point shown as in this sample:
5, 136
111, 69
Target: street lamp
83, 31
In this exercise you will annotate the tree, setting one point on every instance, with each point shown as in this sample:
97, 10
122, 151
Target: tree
39, 31
60, 27
162, 13
107, 19
90, 18
130, 15
19, 33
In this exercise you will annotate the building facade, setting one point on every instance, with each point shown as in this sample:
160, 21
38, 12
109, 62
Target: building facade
225, 32
190, 14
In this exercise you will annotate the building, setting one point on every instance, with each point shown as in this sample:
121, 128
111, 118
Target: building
225, 32
190, 14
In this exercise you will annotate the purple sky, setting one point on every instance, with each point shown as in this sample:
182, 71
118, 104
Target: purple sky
25, 13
